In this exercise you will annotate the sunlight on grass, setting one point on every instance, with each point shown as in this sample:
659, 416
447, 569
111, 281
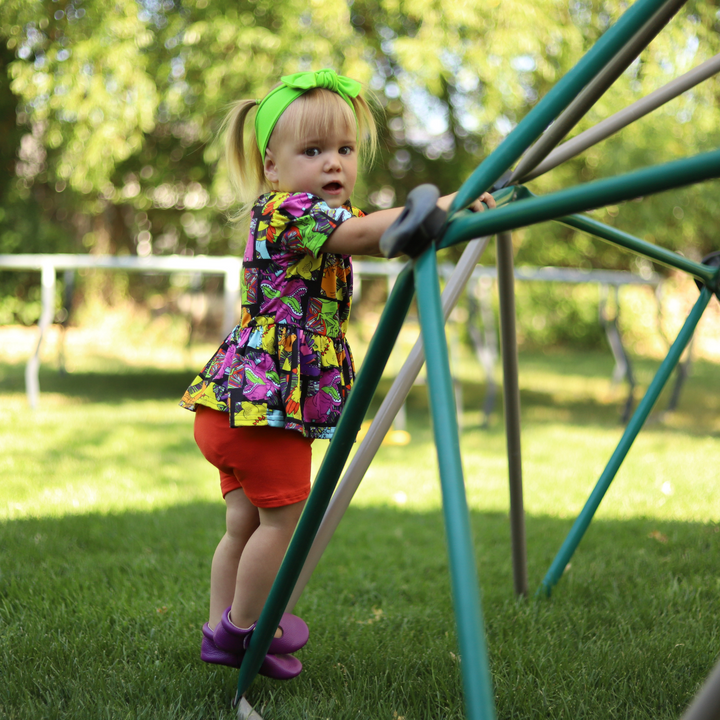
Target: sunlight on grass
83, 457
109, 516
76, 455
560, 468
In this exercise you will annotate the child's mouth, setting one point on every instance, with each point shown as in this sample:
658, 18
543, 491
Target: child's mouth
333, 187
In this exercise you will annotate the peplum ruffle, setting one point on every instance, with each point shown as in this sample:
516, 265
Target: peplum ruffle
279, 375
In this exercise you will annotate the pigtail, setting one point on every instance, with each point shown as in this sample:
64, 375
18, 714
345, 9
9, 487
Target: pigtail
367, 128
243, 159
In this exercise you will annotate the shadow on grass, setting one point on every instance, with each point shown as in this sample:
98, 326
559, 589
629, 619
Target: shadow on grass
100, 614
698, 411
121, 386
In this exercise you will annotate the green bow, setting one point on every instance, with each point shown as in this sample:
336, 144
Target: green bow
327, 79
293, 86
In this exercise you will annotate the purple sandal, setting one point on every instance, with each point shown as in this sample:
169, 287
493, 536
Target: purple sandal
233, 639
278, 667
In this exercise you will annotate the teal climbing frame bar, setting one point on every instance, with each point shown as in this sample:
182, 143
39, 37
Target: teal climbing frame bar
464, 226
585, 224
529, 209
582, 523
477, 682
367, 380
562, 94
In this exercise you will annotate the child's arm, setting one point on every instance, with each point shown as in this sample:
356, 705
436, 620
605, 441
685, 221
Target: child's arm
361, 236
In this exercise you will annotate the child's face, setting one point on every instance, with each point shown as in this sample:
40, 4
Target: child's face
324, 166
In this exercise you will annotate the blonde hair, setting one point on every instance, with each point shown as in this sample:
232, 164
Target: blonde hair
317, 110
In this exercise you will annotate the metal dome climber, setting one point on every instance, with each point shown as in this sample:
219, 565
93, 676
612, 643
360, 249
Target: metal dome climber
534, 138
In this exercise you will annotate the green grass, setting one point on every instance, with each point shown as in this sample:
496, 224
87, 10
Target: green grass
109, 517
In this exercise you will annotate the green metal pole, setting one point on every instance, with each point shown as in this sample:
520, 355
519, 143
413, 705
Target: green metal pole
587, 197
636, 422
594, 90
540, 117
665, 257
367, 380
477, 682
623, 118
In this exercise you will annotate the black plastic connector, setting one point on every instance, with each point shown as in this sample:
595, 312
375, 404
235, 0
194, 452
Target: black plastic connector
417, 226
711, 260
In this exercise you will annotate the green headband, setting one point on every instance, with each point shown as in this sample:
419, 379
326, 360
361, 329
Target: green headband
293, 86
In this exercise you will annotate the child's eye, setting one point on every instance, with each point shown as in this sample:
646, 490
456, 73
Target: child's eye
346, 150
312, 151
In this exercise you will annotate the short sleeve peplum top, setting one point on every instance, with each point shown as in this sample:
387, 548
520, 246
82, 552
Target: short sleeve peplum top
287, 364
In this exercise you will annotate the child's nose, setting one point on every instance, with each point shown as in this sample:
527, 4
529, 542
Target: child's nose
333, 161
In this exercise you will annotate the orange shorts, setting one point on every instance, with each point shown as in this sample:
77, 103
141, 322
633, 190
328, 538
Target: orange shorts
270, 464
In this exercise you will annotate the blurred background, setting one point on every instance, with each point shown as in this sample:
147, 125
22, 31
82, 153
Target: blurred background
109, 113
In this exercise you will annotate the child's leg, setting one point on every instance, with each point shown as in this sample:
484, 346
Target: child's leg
241, 520
260, 561
254, 470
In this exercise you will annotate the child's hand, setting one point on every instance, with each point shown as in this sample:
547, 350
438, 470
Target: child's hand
445, 202
486, 198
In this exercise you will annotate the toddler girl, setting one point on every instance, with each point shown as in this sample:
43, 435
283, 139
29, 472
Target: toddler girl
282, 376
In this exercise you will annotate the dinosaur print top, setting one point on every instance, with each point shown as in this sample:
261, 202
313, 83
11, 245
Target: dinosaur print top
287, 364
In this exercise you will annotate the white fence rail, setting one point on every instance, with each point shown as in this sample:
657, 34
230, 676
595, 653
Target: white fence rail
230, 268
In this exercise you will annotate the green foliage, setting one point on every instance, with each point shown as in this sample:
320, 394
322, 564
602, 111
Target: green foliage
28, 213
554, 314
117, 106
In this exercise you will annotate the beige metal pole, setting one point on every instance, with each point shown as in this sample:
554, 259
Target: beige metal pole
382, 423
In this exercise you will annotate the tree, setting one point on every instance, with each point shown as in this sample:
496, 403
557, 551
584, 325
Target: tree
119, 104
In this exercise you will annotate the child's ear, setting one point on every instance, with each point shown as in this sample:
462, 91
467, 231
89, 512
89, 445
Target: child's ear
270, 166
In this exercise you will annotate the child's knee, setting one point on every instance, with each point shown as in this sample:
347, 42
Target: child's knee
284, 517
241, 516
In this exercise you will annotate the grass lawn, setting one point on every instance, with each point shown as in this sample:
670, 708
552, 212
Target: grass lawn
109, 517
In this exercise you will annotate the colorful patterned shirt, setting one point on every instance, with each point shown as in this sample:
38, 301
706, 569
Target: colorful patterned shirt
287, 364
